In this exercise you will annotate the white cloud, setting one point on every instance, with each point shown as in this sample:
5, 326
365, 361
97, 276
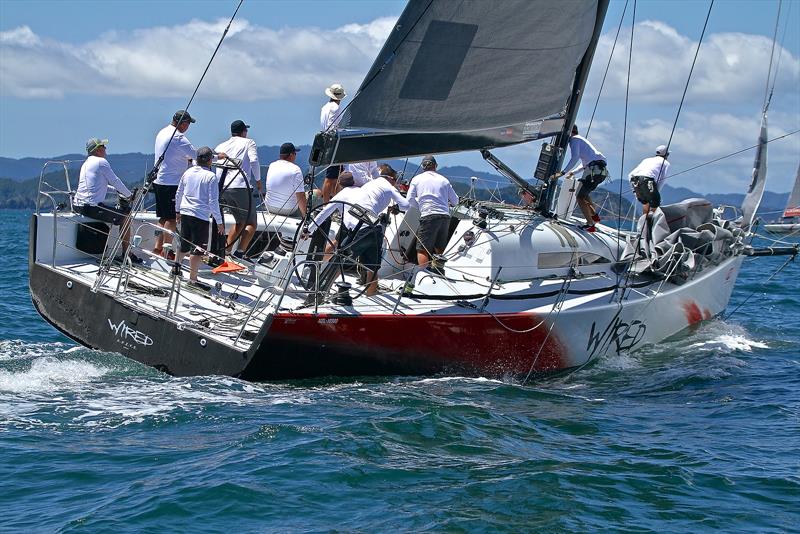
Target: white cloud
262, 63
254, 63
731, 67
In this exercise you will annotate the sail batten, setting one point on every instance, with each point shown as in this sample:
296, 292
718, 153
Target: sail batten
758, 180
474, 74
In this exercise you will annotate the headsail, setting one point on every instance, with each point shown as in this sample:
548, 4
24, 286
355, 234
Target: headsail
793, 204
756, 189
467, 75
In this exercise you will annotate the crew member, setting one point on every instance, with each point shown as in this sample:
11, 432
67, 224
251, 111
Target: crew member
346, 196
374, 197
595, 171
196, 201
526, 198
363, 172
241, 199
285, 191
178, 153
647, 177
329, 118
434, 195
95, 177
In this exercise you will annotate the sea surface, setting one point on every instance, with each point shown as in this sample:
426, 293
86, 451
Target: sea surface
700, 433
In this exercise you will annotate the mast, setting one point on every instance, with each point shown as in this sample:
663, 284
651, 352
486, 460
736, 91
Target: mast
562, 138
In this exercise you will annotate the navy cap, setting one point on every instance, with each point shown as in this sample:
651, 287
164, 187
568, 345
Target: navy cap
238, 127
182, 116
288, 148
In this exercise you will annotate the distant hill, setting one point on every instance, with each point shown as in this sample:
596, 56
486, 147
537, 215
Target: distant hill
131, 167
19, 179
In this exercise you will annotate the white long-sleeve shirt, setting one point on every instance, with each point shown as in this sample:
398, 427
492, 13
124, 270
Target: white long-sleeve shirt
176, 158
243, 149
655, 167
198, 194
433, 194
329, 115
375, 196
363, 172
580, 149
349, 195
96, 175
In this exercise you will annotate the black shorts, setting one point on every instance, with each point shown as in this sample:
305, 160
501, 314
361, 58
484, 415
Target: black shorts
646, 191
366, 247
102, 212
432, 233
194, 232
341, 234
594, 175
242, 204
165, 200
332, 172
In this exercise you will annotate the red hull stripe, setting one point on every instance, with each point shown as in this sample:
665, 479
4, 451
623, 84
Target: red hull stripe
491, 344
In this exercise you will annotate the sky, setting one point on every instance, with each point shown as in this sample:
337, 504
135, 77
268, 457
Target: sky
120, 69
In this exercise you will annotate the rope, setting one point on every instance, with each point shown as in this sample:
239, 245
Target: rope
790, 259
559, 303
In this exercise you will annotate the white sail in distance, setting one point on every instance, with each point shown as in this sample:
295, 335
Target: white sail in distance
793, 204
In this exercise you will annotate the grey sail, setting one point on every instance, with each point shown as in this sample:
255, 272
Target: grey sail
793, 204
465, 75
756, 190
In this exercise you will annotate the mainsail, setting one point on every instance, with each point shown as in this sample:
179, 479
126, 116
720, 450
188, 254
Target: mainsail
467, 75
756, 190
793, 204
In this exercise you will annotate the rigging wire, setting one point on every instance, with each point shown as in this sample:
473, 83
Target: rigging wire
732, 154
767, 90
138, 203
688, 79
625, 129
197, 87
780, 53
388, 60
610, 57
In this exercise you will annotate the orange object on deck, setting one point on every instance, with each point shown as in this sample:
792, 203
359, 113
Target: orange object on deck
227, 267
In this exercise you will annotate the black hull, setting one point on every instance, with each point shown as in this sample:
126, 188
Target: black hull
99, 322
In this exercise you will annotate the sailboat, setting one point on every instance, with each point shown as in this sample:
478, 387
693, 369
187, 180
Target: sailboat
523, 293
790, 223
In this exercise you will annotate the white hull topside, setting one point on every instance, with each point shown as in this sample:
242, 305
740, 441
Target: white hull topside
528, 294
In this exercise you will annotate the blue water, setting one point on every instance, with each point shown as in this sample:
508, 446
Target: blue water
697, 434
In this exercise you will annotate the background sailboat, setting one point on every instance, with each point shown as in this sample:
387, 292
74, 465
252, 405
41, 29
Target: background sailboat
790, 223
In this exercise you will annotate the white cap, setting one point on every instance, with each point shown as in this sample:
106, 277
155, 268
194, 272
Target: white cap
662, 151
336, 91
